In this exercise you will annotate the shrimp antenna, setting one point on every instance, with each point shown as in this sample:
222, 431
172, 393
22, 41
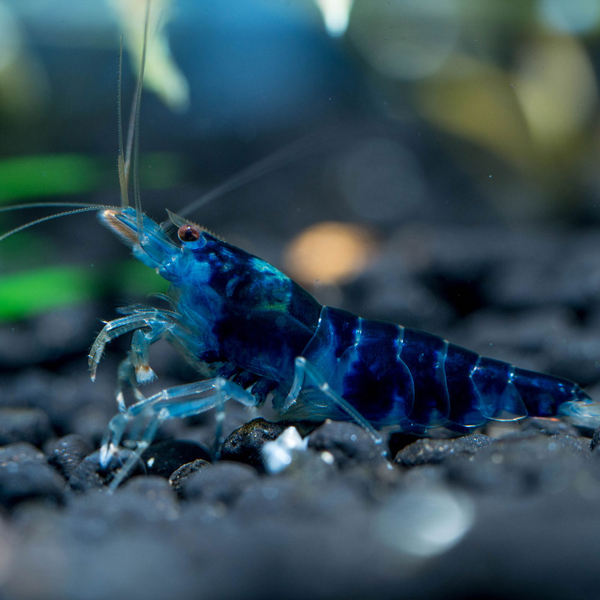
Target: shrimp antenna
132, 147
123, 168
307, 146
90, 205
136, 129
84, 208
124, 160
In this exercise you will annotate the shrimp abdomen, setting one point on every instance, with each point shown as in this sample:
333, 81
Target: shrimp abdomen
397, 376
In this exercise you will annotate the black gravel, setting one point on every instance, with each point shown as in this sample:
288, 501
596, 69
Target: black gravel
164, 458
24, 425
90, 475
431, 451
347, 444
245, 443
25, 474
180, 476
222, 484
67, 453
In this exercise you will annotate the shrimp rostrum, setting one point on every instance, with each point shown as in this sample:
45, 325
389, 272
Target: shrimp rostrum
259, 335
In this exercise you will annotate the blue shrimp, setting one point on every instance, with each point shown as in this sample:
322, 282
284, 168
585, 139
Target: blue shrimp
256, 334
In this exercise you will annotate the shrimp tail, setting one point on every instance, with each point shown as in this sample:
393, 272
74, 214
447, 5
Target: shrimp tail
582, 413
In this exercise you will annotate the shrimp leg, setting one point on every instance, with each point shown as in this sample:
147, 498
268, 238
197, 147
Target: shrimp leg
302, 400
135, 369
154, 319
149, 325
176, 402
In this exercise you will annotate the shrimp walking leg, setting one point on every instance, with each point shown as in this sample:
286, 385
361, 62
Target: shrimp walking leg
303, 399
135, 369
126, 378
176, 402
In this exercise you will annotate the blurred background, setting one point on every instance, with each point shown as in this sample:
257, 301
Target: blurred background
426, 158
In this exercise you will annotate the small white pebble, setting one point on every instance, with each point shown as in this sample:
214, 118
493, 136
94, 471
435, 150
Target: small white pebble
278, 454
327, 457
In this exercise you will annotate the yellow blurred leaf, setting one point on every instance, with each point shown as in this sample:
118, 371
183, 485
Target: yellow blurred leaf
477, 101
556, 86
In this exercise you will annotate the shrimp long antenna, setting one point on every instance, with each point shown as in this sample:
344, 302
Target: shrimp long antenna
136, 129
123, 171
86, 208
132, 148
90, 205
304, 147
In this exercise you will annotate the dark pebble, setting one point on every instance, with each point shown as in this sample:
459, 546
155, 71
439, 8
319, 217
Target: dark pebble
523, 463
24, 425
431, 451
140, 500
245, 443
163, 458
150, 496
89, 475
181, 475
302, 498
348, 443
49, 336
595, 439
222, 483
25, 474
66, 453
21, 452
62, 397
276, 498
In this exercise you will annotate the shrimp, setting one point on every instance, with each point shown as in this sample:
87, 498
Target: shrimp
259, 335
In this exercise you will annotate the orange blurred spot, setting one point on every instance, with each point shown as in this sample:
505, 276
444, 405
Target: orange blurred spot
329, 253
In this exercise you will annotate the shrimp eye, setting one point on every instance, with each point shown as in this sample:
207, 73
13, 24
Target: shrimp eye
188, 233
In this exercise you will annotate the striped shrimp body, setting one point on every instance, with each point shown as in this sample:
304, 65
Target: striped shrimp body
255, 334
